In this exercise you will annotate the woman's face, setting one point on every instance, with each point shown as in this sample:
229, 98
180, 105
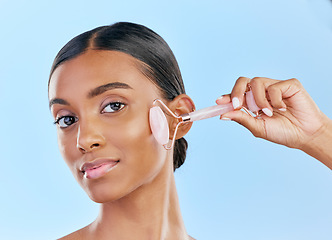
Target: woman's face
100, 101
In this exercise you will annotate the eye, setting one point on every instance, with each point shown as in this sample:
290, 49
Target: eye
113, 107
65, 121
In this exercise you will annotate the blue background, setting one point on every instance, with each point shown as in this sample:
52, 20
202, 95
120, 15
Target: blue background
232, 186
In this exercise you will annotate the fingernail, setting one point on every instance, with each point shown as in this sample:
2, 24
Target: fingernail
219, 98
267, 112
236, 103
225, 119
282, 109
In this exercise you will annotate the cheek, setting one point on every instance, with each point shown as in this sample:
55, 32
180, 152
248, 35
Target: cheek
139, 148
67, 148
137, 138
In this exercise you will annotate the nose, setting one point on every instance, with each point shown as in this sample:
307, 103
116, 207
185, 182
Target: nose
89, 138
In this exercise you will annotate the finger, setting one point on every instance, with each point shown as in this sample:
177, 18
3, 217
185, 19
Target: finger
275, 96
238, 91
224, 99
281, 91
258, 87
289, 87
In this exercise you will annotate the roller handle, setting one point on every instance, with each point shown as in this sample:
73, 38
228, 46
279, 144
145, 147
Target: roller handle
218, 110
209, 112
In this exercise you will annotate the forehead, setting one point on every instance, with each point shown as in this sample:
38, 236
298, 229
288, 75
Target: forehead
95, 68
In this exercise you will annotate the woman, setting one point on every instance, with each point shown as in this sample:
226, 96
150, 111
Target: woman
102, 85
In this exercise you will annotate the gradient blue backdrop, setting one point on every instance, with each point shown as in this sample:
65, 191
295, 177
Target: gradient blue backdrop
232, 185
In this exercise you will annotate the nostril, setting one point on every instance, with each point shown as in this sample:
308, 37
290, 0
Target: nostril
94, 145
82, 149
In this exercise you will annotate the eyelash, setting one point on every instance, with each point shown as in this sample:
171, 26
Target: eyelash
117, 104
57, 121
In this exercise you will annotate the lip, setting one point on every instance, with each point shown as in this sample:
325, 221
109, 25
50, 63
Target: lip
98, 167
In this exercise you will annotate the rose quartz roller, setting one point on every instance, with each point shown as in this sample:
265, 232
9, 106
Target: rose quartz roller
159, 124
208, 112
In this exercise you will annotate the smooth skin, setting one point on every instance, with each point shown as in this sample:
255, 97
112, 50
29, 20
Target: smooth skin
138, 198
290, 117
100, 101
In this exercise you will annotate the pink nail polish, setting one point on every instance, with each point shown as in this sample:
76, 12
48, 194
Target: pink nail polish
219, 98
236, 103
225, 119
267, 112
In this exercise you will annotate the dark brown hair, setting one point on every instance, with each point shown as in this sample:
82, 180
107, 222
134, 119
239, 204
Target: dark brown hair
158, 61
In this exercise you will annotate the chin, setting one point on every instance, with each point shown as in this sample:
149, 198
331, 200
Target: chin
104, 192
103, 197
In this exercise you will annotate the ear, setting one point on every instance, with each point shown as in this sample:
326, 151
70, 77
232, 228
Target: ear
180, 105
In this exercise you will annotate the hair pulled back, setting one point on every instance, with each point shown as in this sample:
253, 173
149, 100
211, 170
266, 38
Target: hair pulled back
158, 61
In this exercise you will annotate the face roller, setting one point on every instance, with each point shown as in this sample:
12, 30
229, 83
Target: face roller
159, 124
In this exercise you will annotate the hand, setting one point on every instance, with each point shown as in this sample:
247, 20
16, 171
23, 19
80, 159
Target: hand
290, 117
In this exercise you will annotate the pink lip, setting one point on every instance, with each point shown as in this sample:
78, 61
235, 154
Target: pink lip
98, 167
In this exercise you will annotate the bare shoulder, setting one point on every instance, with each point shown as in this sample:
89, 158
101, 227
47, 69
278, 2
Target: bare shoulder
77, 235
73, 236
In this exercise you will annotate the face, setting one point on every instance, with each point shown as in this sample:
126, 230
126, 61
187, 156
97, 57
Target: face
100, 101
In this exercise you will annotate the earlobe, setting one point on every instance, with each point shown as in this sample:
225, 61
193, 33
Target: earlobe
180, 105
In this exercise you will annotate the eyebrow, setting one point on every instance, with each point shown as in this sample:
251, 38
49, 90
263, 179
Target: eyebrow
57, 101
94, 92
109, 86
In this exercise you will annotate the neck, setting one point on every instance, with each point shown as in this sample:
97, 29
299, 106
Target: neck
150, 212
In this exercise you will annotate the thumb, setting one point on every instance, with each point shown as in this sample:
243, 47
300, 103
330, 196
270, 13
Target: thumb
254, 125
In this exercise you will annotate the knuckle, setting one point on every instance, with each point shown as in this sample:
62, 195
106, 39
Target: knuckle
242, 80
295, 81
273, 89
256, 80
